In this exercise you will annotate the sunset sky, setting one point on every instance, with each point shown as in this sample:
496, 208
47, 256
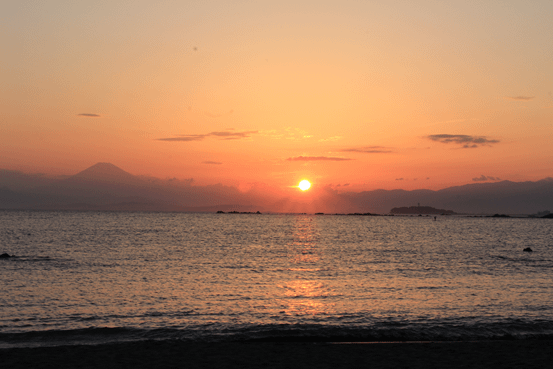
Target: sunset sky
357, 95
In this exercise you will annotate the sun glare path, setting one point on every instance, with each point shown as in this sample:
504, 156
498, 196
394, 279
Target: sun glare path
304, 185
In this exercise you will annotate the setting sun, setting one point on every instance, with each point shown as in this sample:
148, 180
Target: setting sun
304, 185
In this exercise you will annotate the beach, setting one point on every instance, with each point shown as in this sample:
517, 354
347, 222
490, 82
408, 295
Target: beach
178, 354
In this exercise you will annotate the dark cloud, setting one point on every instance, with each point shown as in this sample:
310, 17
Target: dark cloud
317, 158
520, 98
399, 179
184, 138
484, 178
233, 135
467, 141
212, 162
224, 135
88, 115
369, 150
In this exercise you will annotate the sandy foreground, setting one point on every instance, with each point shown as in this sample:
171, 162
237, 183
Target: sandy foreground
175, 354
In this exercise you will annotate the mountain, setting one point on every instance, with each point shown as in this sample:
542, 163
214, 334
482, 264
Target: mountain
16, 180
105, 186
106, 173
102, 183
504, 197
102, 186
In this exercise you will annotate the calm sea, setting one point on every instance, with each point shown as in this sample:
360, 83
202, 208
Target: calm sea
100, 277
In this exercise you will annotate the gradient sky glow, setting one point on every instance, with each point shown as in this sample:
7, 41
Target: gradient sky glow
368, 94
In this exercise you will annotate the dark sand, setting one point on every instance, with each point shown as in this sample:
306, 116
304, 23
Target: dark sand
175, 354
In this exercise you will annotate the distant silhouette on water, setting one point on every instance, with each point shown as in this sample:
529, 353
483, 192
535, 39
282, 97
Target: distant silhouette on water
421, 210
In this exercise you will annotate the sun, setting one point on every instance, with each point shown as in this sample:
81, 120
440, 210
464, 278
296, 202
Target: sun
304, 185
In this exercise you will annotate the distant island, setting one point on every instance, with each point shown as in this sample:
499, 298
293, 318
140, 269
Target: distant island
238, 212
421, 210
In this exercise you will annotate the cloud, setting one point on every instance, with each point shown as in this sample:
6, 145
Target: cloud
294, 134
369, 150
465, 140
333, 138
317, 158
212, 162
519, 98
90, 115
289, 133
484, 178
232, 135
184, 138
223, 135
399, 179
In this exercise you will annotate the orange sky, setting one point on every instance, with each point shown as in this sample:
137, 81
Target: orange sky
360, 94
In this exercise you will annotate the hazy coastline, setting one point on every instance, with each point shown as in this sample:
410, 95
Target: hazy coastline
105, 187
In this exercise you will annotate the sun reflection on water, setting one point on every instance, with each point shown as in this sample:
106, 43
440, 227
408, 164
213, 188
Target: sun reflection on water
306, 293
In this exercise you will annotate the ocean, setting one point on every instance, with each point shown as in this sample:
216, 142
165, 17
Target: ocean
107, 277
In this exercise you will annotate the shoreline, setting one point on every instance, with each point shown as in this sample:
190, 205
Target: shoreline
173, 354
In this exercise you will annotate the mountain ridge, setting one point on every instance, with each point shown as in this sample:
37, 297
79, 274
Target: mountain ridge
103, 170
104, 186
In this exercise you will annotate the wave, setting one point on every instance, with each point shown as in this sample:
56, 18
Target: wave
381, 332
57, 261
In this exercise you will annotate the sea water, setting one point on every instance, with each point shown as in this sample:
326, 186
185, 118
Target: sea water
101, 277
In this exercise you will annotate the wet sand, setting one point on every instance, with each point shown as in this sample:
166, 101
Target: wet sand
175, 354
